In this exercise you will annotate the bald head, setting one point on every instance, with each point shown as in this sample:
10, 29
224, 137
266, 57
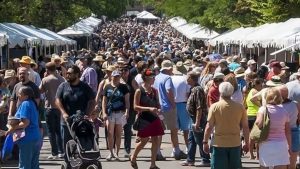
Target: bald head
283, 91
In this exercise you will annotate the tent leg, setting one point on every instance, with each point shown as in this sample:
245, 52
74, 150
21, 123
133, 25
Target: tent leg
266, 55
45, 52
1, 58
258, 52
285, 56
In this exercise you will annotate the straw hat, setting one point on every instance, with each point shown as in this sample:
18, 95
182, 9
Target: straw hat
110, 68
9, 73
239, 72
275, 81
179, 69
25, 60
283, 66
99, 58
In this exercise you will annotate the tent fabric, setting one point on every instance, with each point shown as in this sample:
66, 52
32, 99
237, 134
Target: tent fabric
278, 35
18, 38
62, 40
3, 39
44, 39
85, 27
146, 15
190, 30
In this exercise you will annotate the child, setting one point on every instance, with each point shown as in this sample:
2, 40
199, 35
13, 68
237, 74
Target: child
94, 118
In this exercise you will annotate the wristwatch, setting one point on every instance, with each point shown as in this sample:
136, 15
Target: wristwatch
204, 142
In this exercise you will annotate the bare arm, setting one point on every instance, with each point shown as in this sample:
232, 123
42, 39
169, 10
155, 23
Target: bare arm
288, 134
259, 120
127, 104
12, 107
90, 106
104, 107
208, 129
136, 103
171, 97
134, 84
60, 107
100, 89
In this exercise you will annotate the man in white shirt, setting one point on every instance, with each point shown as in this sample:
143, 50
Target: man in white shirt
181, 93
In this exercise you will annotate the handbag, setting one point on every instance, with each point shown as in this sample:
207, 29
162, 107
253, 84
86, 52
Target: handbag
261, 134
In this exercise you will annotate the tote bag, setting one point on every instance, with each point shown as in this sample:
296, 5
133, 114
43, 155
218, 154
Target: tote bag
261, 134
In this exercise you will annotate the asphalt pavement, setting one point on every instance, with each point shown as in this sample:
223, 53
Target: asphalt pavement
143, 159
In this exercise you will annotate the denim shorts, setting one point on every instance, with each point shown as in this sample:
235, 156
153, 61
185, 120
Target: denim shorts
295, 132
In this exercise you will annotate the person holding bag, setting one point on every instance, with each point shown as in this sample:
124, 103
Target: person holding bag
148, 123
274, 150
28, 142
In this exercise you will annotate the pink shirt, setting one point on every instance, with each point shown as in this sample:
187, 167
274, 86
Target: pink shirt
278, 116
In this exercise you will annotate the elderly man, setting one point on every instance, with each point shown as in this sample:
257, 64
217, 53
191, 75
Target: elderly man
89, 75
197, 109
226, 117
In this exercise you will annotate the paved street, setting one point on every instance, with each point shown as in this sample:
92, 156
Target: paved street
143, 160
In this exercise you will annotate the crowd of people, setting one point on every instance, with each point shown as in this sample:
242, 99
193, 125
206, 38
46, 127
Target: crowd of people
144, 77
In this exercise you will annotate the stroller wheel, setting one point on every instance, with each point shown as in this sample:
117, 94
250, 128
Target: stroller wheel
64, 165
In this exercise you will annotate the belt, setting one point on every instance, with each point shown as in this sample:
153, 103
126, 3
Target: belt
120, 111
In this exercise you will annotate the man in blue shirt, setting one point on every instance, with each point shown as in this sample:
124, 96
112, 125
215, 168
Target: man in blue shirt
164, 85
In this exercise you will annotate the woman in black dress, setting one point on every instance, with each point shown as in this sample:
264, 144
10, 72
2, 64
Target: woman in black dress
147, 104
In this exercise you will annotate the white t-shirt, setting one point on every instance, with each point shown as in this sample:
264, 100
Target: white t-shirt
181, 88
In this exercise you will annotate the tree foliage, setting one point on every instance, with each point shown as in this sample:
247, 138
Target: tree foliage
222, 15
58, 14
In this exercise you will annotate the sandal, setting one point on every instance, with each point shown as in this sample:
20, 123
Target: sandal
155, 167
133, 164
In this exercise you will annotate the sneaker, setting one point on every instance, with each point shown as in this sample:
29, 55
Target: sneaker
117, 157
202, 164
160, 157
187, 163
179, 156
52, 157
109, 157
61, 155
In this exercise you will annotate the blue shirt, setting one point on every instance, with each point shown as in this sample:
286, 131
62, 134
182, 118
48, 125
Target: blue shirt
241, 83
162, 84
28, 110
232, 66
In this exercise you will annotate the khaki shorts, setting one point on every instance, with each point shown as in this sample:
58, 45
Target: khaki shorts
116, 117
170, 119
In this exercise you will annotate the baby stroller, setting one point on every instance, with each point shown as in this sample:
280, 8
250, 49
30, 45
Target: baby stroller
82, 151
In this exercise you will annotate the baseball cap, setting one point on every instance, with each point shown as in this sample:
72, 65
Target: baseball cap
115, 73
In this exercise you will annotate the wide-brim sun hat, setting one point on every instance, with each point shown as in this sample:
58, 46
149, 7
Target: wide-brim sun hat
166, 65
25, 60
239, 72
275, 81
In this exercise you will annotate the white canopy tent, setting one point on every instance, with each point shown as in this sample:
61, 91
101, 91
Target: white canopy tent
85, 27
145, 15
3, 39
17, 37
63, 40
190, 30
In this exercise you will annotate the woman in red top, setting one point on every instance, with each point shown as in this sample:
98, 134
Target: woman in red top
147, 104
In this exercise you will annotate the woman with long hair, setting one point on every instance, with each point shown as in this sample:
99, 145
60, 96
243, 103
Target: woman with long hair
207, 74
274, 151
147, 104
29, 145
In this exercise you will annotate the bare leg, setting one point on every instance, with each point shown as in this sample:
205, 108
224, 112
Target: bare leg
110, 130
252, 143
138, 147
154, 150
174, 138
281, 167
159, 142
118, 134
293, 160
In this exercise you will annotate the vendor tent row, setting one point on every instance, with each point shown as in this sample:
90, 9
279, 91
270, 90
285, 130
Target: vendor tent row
15, 34
192, 31
85, 27
276, 35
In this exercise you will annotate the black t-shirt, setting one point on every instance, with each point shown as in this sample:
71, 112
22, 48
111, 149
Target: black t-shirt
17, 87
116, 99
74, 98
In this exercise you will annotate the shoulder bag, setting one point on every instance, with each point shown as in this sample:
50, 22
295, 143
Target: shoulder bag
261, 134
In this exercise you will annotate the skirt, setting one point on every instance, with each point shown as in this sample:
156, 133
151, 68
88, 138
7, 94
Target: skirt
269, 156
152, 125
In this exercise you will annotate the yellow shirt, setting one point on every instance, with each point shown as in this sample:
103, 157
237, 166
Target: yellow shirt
226, 116
252, 109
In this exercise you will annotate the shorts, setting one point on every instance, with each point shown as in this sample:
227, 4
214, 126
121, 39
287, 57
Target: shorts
295, 132
270, 156
183, 118
226, 158
170, 119
116, 117
251, 121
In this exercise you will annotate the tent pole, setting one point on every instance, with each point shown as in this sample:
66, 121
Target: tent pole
1, 57
266, 55
7, 55
45, 48
250, 52
36, 54
285, 56
258, 51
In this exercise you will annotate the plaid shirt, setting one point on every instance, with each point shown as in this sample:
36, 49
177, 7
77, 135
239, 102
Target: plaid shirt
196, 100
